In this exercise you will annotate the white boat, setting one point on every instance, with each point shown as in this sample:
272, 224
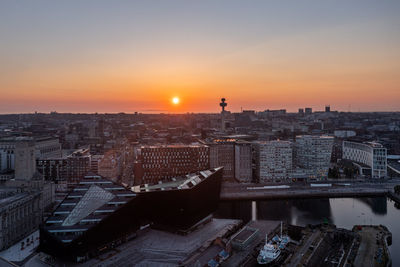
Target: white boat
272, 249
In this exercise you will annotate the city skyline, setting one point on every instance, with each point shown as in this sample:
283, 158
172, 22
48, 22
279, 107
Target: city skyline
199, 133
135, 57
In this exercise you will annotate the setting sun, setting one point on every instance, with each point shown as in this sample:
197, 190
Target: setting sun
175, 100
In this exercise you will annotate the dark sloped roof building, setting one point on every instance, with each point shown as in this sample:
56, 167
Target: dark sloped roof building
93, 216
99, 214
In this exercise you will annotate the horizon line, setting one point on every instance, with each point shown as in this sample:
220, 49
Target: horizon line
183, 113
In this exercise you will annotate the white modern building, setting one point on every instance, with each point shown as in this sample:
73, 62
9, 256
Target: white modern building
274, 160
371, 154
313, 153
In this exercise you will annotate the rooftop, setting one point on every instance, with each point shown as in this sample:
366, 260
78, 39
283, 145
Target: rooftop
173, 146
91, 201
370, 144
178, 183
8, 196
245, 234
375, 144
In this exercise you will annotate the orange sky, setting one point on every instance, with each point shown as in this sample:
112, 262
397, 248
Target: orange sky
347, 61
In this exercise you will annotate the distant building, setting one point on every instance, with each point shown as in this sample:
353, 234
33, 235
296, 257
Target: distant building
337, 150
20, 213
301, 111
17, 159
94, 163
160, 163
327, 108
71, 167
372, 154
78, 164
25, 166
23, 196
110, 165
313, 153
42, 146
55, 169
25, 177
272, 113
344, 133
243, 162
138, 173
47, 147
274, 160
235, 156
222, 153
7, 158
308, 111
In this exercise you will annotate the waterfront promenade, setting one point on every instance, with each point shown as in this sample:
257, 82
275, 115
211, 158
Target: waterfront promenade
326, 189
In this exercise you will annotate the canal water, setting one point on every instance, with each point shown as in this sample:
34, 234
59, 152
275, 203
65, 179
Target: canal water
343, 212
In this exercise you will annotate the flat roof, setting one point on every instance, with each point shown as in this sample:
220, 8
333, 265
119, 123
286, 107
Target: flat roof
173, 146
245, 234
311, 136
9, 196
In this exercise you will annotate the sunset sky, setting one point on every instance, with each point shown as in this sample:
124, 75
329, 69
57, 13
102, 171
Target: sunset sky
127, 56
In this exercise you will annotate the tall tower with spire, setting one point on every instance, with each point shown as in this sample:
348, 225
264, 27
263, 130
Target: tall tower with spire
223, 104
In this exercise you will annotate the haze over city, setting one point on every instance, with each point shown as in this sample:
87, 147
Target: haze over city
117, 56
